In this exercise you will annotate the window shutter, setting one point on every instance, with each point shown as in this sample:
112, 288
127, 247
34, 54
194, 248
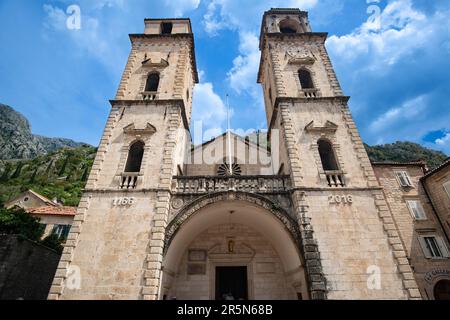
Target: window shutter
425, 249
407, 179
447, 188
401, 178
443, 247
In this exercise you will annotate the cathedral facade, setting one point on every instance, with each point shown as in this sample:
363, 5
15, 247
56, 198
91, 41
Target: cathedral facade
306, 218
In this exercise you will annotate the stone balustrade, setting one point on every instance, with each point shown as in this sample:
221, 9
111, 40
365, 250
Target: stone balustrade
129, 180
209, 184
335, 178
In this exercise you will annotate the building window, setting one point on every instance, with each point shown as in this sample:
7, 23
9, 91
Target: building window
135, 156
166, 27
305, 79
289, 26
152, 82
403, 179
433, 247
447, 188
441, 290
62, 231
416, 209
327, 156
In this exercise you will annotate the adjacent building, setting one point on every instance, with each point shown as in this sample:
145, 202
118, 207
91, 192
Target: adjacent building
420, 226
56, 218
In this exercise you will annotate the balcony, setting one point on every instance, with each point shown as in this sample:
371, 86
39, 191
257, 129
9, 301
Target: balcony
335, 179
309, 93
149, 95
210, 184
129, 180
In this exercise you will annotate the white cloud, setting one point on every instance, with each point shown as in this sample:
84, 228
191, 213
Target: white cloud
242, 76
401, 30
208, 109
180, 7
444, 141
398, 115
56, 18
98, 42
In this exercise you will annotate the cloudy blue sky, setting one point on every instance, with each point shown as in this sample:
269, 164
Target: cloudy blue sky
397, 72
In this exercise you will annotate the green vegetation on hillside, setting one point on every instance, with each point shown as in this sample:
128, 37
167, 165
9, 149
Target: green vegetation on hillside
405, 152
61, 174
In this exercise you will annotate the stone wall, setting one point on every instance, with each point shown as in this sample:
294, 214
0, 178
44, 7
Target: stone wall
26, 269
439, 197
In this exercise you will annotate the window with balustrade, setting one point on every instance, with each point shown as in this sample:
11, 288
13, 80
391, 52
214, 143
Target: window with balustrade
305, 77
152, 86
133, 166
335, 177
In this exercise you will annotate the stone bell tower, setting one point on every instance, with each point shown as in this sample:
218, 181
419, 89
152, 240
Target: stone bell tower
114, 249
338, 200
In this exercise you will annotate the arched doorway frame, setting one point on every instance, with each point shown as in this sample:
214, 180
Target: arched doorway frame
272, 211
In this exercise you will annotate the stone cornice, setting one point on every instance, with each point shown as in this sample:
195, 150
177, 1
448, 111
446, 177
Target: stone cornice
278, 100
165, 102
189, 36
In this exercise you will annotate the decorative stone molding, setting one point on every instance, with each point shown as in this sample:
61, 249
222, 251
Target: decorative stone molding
191, 208
61, 274
105, 142
328, 128
358, 146
153, 268
300, 229
133, 131
396, 245
300, 55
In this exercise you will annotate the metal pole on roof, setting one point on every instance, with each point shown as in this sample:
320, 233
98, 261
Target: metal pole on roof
230, 161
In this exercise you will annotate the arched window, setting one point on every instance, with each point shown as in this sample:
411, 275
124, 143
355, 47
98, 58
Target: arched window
327, 156
289, 26
305, 79
166, 27
135, 155
152, 82
442, 290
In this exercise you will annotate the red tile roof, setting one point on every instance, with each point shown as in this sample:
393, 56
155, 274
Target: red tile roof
51, 210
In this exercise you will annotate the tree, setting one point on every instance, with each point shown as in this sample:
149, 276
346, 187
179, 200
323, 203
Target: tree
18, 221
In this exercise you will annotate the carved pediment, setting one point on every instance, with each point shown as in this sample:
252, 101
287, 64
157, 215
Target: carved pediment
155, 60
160, 63
301, 56
132, 130
328, 127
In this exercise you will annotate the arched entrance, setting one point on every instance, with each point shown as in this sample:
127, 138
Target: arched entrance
441, 290
234, 245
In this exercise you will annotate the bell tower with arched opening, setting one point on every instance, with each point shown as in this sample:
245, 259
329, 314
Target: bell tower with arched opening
334, 187
114, 249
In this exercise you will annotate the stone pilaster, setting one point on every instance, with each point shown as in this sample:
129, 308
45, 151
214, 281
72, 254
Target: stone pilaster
66, 258
153, 272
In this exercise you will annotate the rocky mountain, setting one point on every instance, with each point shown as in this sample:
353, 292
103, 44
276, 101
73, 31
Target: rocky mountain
18, 142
